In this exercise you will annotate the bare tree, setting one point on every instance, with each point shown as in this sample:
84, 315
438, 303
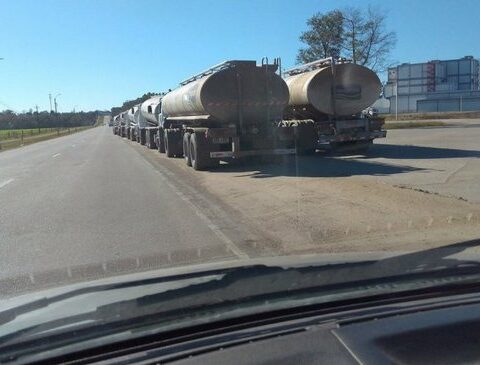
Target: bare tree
352, 33
366, 40
324, 37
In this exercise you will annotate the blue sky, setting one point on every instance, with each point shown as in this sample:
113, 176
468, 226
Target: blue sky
98, 53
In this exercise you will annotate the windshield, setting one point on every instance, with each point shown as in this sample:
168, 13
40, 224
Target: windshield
141, 136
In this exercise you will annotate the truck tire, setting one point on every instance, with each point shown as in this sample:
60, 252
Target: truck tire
168, 143
305, 139
173, 142
199, 152
186, 148
160, 140
143, 134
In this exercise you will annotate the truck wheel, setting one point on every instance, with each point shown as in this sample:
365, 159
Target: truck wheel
199, 152
168, 143
176, 137
186, 148
160, 140
305, 139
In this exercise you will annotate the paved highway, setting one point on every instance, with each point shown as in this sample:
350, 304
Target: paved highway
87, 204
92, 204
441, 160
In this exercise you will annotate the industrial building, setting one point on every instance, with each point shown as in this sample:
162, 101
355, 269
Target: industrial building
434, 86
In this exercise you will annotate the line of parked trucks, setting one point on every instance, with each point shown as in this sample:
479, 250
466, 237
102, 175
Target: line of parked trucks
238, 109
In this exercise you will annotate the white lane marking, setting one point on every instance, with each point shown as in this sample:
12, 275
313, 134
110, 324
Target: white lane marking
6, 182
56, 155
73, 145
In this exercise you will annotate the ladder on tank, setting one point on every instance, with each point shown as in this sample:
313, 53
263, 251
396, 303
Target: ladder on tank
324, 62
216, 68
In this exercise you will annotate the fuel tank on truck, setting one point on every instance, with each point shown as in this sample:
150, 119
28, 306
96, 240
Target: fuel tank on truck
122, 118
150, 109
138, 118
229, 92
131, 115
355, 87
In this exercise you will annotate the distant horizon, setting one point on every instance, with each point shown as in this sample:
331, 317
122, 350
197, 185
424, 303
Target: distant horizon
98, 54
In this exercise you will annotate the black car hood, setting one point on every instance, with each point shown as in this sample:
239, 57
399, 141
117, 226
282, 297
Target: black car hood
209, 288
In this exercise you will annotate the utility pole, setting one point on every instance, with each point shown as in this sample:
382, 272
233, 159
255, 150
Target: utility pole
36, 117
396, 98
55, 101
50, 97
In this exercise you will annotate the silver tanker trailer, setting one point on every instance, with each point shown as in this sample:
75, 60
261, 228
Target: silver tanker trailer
122, 129
115, 124
150, 117
130, 122
327, 98
229, 111
138, 126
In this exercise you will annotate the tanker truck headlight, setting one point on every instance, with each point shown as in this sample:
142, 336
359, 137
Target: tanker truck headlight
255, 130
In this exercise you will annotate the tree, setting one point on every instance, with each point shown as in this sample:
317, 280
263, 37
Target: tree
324, 38
360, 36
366, 40
130, 103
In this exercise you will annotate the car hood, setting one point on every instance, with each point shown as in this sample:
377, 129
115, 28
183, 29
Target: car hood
209, 291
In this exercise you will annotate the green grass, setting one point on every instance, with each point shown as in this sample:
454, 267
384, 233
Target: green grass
14, 138
401, 125
437, 115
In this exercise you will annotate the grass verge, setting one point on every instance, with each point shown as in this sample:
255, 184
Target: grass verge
18, 142
437, 115
416, 124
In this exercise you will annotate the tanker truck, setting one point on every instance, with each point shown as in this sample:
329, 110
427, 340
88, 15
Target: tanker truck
229, 111
115, 124
327, 98
122, 131
149, 117
130, 122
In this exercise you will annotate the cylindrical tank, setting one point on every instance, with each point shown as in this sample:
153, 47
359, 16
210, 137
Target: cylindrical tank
150, 109
243, 91
122, 118
356, 88
131, 115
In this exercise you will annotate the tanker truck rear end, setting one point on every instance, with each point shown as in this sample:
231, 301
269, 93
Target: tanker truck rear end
229, 111
122, 128
131, 123
115, 124
327, 98
150, 114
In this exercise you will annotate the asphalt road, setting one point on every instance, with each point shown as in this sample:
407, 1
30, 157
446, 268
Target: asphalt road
87, 205
92, 205
441, 160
